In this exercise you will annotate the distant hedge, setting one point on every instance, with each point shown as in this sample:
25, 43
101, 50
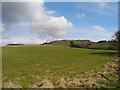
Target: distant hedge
107, 45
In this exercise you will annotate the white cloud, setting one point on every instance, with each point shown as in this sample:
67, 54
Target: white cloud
96, 27
53, 26
22, 0
40, 23
24, 40
15, 12
100, 33
80, 15
2, 29
91, 33
51, 12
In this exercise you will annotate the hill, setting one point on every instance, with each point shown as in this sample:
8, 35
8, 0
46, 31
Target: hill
106, 45
68, 42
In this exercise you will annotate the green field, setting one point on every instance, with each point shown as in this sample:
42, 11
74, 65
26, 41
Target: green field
27, 65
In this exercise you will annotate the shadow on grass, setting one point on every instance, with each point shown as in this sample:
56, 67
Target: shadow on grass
105, 53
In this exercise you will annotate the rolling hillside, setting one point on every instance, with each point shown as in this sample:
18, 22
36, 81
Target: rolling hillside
105, 45
67, 42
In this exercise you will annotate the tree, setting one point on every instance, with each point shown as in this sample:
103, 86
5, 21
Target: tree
117, 40
71, 44
117, 36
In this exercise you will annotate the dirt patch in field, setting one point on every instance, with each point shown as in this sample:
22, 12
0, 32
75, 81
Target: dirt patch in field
11, 85
106, 78
43, 84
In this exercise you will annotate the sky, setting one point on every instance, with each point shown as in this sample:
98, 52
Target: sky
35, 23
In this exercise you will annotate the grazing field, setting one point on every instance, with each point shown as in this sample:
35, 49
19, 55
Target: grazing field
26, 65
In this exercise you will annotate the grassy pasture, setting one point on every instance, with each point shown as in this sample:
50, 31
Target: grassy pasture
29, 64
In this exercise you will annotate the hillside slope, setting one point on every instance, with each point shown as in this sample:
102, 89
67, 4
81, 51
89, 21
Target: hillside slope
68, 42
106, 45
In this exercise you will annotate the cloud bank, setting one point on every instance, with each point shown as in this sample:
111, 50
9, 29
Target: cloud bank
33, 13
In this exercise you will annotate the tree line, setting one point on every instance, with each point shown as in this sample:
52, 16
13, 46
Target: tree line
113, 44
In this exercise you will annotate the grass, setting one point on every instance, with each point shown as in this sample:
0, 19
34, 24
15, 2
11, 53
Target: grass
29, 64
